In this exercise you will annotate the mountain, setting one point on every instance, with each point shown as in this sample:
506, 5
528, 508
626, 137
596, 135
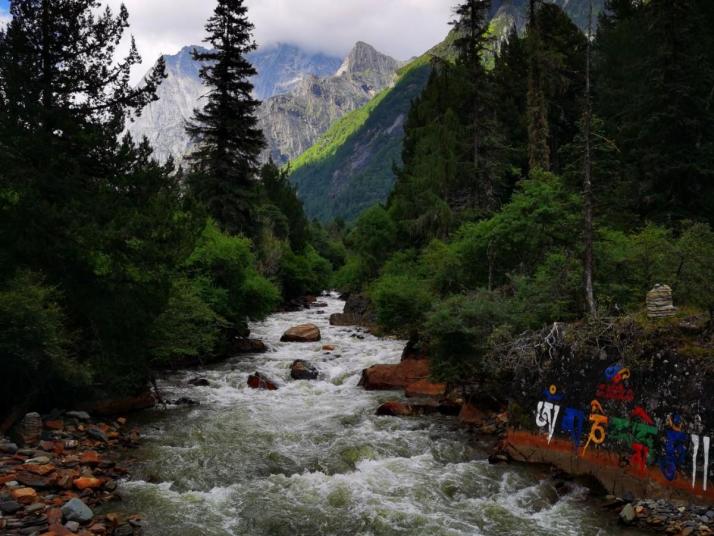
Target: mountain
280, 67
350, 167
292, 122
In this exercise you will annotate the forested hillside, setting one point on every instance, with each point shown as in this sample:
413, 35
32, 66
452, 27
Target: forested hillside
351, 166
561, 184
112, 264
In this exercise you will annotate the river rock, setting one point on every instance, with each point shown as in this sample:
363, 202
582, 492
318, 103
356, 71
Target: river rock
24, 495
76, 510
10, 507
659, 302
241, 345
628, 514
303, 370
79, 415
121, 406
7, 447
399, 409
425, 388
303, 333
87, 482
199, 382
258, 381
29, 429
390, 377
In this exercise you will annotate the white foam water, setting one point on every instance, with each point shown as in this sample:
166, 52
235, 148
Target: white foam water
312, 458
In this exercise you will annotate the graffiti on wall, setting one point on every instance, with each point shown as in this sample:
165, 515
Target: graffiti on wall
676, 448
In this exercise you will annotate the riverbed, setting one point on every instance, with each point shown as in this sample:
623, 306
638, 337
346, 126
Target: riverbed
313, 459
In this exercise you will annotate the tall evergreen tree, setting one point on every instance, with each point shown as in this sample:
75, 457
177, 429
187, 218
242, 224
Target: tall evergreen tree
229, 142
99, 220
538, 134
472, 41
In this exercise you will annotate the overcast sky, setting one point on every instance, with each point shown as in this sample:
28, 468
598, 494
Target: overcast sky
400, 28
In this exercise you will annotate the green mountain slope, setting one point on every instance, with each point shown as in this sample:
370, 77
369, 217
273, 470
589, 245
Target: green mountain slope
350, 167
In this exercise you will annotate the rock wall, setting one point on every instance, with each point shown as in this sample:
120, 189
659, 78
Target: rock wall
628, 406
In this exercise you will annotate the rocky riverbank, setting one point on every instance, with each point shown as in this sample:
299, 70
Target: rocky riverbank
670, 475
59, 470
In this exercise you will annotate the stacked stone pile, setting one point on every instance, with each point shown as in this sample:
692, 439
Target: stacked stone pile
659, 302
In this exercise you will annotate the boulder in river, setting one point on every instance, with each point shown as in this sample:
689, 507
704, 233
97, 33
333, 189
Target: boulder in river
303, 370
258, 381
388, 377
400, 409
302, 333
425, 388
241, 345
199, 382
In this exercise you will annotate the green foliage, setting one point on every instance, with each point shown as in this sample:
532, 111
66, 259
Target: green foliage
303, 274
351, 166
225, 162
187, 328
695, 282
283, 211
373, 238
458, 330
352, 276
402, 302
34, 342
224, 272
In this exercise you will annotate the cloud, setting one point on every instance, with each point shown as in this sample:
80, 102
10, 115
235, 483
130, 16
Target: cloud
401, 28
4, 16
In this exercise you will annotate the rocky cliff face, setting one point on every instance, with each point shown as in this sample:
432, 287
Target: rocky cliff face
302, 93
280, 67
293, 122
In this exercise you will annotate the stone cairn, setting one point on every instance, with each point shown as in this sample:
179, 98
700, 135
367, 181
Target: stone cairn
659, 302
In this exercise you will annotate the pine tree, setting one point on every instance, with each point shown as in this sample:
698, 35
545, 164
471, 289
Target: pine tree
229, 142
471, 26
538, 135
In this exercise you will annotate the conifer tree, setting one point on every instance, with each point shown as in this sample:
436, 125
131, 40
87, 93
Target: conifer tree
229, 142
538, 134
472, 25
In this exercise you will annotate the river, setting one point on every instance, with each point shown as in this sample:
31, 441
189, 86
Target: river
313, 459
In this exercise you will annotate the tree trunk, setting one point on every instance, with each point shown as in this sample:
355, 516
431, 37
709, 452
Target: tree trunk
587, 182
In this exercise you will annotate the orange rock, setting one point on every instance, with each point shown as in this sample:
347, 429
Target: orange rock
90, 457
7, 478
121, 420
98, 528
303, 333
113, 518
425, 388
87, 482
472, 415
399, 409
39, 469
65, 478
329, 348
390, 377
24, 495
57, 424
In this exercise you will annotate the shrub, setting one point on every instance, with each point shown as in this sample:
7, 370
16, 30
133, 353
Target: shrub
188, 328
458, 331
223, 268
402, 302
34, 343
